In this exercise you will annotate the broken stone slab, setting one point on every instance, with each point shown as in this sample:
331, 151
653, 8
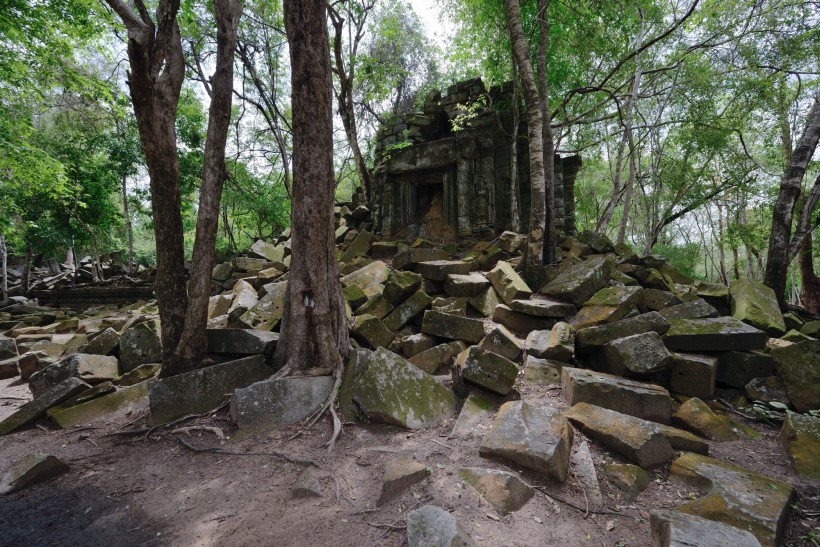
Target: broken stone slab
756, 304
104, 343
511, 242
393, 391
676, 529
8, 348
590, 339
543, 307
629, 479
30, 470
354, 296
407, 259
557, 343
268, 310
400, 285
31, 363
452, 327
369, 277
9, 368
535, 437
656, 299
542, 372
695, 415
222, 272
646, 401
470, 284
90, 368
371, 332
584, 469
97, 391
502, 342
799, 367
487, 369
248, 264
738, 368
37, 408
123, 402
203, 389
640, 441
713, 334
637, 355
438, 357
484, 255
521, 322
476, 408
735, 496
503, 490
241, 341
608, 305
358, 247
800, 437
399, 475
439, 270
767, 389
407, 310
485, 302
693, 375
416, 343
578, 283
245, 297
267, 251
507, 283
140, 344
276, 402
378, 306
430, 526
307, 485
696, 309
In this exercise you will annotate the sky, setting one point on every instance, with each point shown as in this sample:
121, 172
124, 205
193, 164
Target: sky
430, 13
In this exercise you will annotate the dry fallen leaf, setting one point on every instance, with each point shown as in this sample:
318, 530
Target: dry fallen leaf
610, 525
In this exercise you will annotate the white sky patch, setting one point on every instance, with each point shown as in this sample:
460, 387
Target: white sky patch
437, 26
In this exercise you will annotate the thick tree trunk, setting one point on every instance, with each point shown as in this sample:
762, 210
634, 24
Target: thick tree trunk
157, 70
629, 191
810, 280
777, 264
515, 179
535, 236
548, 252
314, 327
191, 352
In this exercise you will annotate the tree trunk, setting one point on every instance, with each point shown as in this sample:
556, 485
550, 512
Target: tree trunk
157, 70
535, 235
777, 263
548, 252
810, 280
515, 182
314, 327
629, 109
129, 228
345, 76
191, 352
629, 191
24, 282
4, 263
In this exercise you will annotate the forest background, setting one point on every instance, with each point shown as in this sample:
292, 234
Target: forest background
688, 116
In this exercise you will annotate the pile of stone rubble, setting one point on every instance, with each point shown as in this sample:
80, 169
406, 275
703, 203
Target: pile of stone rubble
645, 357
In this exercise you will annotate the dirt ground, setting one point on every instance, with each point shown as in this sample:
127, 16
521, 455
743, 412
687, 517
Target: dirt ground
137, 490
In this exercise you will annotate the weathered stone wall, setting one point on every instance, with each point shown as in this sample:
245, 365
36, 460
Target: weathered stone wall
423, 164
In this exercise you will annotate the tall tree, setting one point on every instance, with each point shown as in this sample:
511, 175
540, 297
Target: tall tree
521, 51
314, 327
783, 247
155, 82
548, 253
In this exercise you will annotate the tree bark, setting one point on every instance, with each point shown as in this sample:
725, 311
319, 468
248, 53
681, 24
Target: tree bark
515, 180
4, 263
191, 352
548, 252
314, 327
129, 228
535, 235
346, 75
157, 70
777, 263
810, 281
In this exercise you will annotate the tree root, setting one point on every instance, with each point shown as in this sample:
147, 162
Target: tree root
224, 452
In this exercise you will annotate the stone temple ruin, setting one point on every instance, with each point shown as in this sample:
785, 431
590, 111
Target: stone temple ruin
432, 180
